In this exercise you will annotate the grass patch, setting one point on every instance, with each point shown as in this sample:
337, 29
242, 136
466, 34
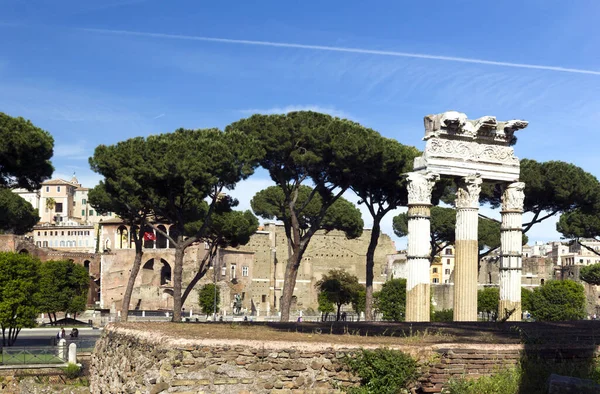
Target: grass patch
26, 358
531, 377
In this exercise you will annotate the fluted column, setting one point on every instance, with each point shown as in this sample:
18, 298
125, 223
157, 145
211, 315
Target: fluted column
419, 232
467, 251
511, 238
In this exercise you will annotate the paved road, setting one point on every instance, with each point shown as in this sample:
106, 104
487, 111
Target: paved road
44, 336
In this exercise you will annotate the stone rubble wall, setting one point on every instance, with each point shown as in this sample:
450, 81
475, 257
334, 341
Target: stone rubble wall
125, 364
135, 361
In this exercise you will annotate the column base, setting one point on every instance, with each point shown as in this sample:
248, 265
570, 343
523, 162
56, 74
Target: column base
418, 303
510, 308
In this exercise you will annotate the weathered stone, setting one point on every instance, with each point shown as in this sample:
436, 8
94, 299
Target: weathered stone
157, 388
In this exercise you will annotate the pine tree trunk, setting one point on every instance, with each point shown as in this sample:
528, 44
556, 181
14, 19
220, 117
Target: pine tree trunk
199, 275
135, 269
289, 282
338, 315
370, 265
177, 278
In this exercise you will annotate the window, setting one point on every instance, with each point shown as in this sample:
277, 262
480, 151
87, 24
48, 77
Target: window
436, 280
243, 295
232, 271
244, 271
264, 298
448, 251
447, 261
435, 270
38, 233
223, 271
74, 203
83, 202
45, 233
58, 189
47, 189
447, 271
62, 233
58, 207
91, 212
82, 212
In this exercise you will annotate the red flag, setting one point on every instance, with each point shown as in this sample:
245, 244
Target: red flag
149, 237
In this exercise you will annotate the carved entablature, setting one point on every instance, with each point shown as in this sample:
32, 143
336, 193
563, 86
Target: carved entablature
458, 146
487, 130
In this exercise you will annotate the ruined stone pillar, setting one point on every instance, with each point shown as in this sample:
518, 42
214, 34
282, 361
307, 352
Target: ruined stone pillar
419, 232
467, 251
511, 237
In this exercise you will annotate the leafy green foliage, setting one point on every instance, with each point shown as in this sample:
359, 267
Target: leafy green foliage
526, 299
299, 148
17, 216
506, 381
379, 181
340, 288
391, 300
558, 300
382, 371
72, 371
590, 274
358, 303
207, 299
342, 215
25, 152
63, 287
19, 280
487, 301
443, 315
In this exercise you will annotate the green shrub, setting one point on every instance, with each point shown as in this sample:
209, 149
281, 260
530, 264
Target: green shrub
72, 371
443, 315
504, 382
382, 371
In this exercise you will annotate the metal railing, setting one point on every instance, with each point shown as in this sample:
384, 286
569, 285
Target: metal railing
16, 355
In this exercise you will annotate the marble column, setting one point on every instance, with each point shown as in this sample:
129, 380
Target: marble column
511, 237
419, 232
467, 251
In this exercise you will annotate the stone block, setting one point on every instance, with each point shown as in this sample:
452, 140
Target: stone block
558, 384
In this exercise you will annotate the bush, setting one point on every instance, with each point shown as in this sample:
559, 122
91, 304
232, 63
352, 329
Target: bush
391, 300
504, 382
72, 371
558, 300
443, 315
382, 371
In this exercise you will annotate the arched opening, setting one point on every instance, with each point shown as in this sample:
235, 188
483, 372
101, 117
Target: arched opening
122, 234
38, 244
133, 233
148, 236
149, 265
165, 273
106, 244
23, 251
161, 240
542, 282
62, 243
45, 244
86, 265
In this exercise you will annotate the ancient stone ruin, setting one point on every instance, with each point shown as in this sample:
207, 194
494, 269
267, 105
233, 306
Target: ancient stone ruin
470, 151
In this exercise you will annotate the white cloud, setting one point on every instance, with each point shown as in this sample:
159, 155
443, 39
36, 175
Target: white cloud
292, 108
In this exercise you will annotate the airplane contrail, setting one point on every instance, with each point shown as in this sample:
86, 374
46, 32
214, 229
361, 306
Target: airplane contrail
347, 50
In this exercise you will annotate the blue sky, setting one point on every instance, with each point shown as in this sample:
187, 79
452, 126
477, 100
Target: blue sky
97, 72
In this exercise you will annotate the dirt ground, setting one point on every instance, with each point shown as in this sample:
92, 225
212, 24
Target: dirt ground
379, 333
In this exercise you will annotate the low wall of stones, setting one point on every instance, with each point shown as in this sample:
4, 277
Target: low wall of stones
135, 361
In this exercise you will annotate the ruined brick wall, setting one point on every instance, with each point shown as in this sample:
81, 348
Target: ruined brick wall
126, 362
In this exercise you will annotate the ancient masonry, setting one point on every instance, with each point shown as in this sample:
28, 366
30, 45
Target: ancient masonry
470, 151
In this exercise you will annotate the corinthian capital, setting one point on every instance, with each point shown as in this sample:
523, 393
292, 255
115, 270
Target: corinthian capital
467, 194
513, 197
420, 186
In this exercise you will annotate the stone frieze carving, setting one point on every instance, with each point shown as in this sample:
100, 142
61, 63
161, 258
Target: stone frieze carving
470, 151
487, 129
467, 194
420, 186
513, 197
